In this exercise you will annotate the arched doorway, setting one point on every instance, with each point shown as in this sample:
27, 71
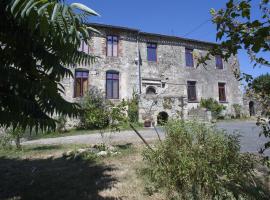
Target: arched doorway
150, 90
162, 118
251, 108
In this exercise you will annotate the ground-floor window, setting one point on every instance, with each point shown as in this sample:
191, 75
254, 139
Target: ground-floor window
222, 92
112, 85
81, 83
191, 91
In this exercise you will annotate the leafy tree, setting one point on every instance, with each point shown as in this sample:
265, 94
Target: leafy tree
237, 30
39, 43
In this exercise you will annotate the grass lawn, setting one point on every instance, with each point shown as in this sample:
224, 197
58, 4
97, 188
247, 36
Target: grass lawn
40, 172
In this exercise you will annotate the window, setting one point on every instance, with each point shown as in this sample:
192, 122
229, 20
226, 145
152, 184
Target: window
81, 83
189, 58
191, 90
150, 90
221, 92
112, 46
152, 52
219, 63
112, 85
84, 47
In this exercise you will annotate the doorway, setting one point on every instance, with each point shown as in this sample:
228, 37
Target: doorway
251, 108
162, 118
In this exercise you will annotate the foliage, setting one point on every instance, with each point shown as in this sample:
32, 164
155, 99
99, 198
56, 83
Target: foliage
133, 108
39, 43
238, 29
100, 113
197, 161
6, 141
259, 90
96, 115
212, 105
61, 124
237, 110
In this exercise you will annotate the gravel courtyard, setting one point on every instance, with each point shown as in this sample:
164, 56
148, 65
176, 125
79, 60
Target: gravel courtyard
248, 131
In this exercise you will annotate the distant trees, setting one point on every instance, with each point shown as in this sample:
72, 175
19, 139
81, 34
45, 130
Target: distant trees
39, 42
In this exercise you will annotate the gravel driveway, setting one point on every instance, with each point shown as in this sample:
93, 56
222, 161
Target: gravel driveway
250, 140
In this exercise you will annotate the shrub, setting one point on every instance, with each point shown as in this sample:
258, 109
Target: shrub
5, 141
197, 161
100, 113
213, 106
237, 110
133, 109
96, 113
61, 124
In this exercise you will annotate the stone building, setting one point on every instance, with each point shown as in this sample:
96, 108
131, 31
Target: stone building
161, 69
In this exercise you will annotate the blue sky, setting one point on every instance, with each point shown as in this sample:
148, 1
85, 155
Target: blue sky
171, 17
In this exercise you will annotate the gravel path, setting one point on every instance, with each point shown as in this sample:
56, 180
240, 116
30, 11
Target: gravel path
249, 132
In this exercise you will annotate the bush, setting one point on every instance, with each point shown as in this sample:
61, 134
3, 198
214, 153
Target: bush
197, 161
61, 124
6, 141
100, 113
133, 109
213, 106
237, 110
96, 113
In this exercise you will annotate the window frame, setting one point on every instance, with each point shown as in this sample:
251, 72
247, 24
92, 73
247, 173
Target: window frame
148, 47
117, 45
112, 79
83, 45
190, 50
224, 89
195, 91
82, 79
219, 66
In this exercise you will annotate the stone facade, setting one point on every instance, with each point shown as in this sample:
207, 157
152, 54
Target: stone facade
168, 76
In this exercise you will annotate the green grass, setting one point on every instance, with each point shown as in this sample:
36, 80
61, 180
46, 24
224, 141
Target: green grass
72, 132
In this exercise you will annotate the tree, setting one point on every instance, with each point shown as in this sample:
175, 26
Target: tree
39, 46
238, 30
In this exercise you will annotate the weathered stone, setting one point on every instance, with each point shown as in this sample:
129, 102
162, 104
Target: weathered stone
168, 76
102, 153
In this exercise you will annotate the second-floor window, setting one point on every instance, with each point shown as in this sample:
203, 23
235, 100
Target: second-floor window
84, 47
81, 83
112, 46
189, 57
222, 92
112, 85
191, 91
152, 52
219, 62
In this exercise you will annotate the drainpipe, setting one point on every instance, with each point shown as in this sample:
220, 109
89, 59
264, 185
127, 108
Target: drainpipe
139, 64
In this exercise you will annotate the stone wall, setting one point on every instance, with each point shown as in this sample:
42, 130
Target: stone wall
169, 75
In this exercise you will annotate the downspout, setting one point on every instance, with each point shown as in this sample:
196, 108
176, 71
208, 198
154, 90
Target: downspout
139, 64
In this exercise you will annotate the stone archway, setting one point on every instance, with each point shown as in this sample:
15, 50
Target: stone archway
162, 118
251, 108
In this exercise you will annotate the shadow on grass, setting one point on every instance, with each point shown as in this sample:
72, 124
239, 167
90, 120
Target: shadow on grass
53, 179
46, 147
124, 146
